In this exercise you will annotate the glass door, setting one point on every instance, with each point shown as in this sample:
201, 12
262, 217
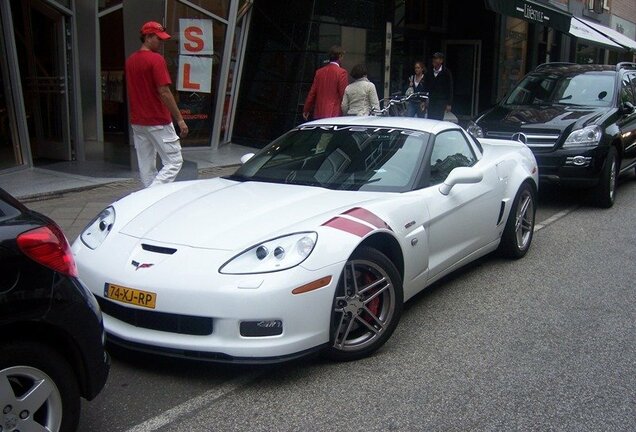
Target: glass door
464, 61
42, 37
10, 151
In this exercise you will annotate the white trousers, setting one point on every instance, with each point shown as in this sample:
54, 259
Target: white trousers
150, 140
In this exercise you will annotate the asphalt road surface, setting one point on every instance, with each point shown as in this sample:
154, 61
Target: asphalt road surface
544, 343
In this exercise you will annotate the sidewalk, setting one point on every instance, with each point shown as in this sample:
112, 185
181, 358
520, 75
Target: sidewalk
62, 177
73, 193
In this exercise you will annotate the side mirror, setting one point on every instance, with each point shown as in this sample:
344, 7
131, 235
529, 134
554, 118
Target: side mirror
460, 175
627, 108
246, 157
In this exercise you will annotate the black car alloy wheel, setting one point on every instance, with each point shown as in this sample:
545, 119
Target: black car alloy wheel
38, 390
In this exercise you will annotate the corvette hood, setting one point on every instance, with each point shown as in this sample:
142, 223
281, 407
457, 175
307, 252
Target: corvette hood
229, 215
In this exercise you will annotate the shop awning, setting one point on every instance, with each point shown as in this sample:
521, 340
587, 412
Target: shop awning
581, 29
532, 11
612, 34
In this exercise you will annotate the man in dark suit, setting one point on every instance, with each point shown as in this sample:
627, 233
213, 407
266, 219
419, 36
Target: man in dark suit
328, 87
438, 82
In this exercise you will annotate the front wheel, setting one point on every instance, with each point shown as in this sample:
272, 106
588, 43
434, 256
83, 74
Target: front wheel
38, 390
519, 229
604, 194
367, 305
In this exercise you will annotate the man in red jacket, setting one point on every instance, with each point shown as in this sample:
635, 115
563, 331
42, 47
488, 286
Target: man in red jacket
328, 87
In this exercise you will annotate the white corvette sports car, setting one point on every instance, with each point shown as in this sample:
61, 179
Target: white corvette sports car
313, 244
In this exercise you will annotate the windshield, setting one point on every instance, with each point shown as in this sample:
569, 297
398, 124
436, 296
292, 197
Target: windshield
340, 157
585, 89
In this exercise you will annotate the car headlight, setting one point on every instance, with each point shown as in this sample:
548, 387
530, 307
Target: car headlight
475, 130
278, 254
589, 136
99, 228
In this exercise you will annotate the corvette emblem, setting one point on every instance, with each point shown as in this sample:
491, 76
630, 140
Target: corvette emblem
139, 265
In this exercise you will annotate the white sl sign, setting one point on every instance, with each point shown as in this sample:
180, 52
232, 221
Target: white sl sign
195, 40
195, 37
195, 74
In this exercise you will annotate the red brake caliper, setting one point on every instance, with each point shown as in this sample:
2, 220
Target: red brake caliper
373, 305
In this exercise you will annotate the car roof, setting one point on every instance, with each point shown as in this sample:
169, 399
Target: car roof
412, 123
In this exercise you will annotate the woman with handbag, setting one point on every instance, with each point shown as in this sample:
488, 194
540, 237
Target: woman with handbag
416, 108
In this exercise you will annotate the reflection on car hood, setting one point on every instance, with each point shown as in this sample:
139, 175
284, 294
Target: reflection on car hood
228, 215
556, 117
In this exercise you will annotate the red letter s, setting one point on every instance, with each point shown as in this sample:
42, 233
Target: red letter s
192, 34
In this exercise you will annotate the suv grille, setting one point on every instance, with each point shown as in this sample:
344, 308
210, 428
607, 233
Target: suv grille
533, 140
161, 321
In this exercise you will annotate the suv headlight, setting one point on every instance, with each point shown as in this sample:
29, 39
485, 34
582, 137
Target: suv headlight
278, 254
475, 130
99, 228
589, 136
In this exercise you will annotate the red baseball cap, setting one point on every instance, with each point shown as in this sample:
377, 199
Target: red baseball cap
153, 27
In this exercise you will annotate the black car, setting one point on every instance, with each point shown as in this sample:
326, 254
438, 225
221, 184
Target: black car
579, 121
51, 332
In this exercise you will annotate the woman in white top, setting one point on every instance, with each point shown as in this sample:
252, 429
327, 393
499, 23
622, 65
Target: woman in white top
360, 97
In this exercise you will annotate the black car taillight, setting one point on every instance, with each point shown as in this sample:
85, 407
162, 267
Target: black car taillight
48, 246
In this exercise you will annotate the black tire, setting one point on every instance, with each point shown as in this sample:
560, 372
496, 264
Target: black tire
519, 230
25, 365
604, 194
365, 314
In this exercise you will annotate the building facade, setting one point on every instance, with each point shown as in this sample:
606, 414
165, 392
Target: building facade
62, 73
243, 67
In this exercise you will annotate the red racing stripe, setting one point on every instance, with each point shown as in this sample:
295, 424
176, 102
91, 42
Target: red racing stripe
367, 216
347, 225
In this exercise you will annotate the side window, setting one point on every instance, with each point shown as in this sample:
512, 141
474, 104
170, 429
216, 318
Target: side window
627, 88
450, 150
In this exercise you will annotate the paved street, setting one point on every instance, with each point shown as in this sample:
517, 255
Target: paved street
544, 343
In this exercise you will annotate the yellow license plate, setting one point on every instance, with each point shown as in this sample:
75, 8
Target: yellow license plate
131, 296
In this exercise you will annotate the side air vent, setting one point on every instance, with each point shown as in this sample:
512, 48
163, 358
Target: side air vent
158, 249
501, 212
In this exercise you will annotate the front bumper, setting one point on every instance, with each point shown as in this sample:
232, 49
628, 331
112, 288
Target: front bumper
576, 167
190, 286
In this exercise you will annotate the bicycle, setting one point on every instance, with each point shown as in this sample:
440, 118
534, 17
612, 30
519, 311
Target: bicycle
395, 106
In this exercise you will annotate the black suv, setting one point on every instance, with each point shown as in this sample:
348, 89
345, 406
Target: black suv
579, 121
51, 332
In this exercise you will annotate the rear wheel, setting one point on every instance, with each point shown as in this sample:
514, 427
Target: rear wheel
519, 229
367, 306
38, 390
604, 194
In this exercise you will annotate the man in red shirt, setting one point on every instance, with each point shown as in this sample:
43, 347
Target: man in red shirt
329, 85
150, 104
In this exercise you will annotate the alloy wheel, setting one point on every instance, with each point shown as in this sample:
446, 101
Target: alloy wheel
364, 306
524, 222
29, 400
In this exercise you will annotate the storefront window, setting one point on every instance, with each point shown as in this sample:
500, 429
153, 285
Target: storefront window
9, 151
217, 7
587, 54
512, 60
66, 3
106, 4
197, 106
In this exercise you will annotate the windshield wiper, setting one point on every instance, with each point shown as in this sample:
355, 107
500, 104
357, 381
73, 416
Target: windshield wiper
237, 177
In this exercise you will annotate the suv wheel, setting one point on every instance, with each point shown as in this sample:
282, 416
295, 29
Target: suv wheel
605, 193
38, 390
